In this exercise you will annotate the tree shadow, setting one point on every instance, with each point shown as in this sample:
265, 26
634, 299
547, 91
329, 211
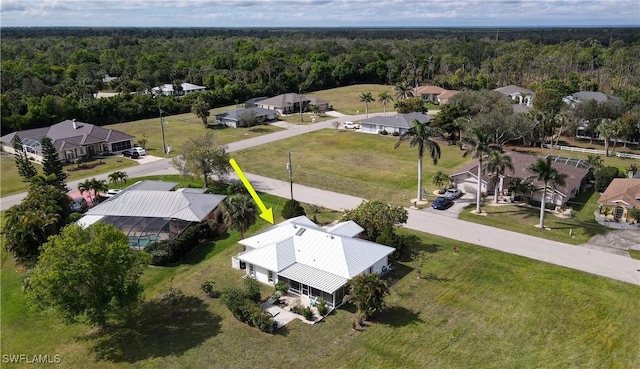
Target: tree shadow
201, 251
399, 272
398, 316
433, 277
259, 130
168, 325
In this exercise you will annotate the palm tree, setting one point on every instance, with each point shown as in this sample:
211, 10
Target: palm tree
420, 136
478, 146
239, 212
98, 185
441, 179
403, 91
85, 187
521, 187
383, 98
366, 97
118, 178
546, 173
201, 109
497, 164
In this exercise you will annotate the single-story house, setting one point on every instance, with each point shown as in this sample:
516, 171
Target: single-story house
581, 96
238, 117
622, 195
520, 95
465, 178
311, 260
290, 103
252, 102
150, 211
435, 94
399, 123
187, 88
72, 139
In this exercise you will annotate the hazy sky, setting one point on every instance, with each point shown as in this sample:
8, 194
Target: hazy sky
319, 13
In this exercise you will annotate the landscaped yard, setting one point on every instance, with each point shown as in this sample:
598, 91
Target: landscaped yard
480, 308
575, 230
348, 162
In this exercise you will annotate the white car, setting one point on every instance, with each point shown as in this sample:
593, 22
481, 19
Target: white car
351, 125
140, 151
112, 192
453, 193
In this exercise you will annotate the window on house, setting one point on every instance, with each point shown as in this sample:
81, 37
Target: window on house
250, 269
270, 277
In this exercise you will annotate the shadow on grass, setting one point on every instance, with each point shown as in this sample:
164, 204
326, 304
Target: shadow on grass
398, 316
399, 272
169, 325
259, 129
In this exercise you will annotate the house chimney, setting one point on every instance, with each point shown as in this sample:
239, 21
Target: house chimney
74, 123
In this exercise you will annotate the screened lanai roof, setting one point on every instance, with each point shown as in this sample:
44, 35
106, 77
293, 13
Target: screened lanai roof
142, 231
578, 163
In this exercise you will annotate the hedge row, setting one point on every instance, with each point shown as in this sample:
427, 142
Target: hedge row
171, 251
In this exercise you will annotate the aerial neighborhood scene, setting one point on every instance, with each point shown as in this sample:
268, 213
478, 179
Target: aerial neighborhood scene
340, 185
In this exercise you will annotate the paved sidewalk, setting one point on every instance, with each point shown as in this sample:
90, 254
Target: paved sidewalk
575, 257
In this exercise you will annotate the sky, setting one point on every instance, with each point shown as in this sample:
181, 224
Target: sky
319, 13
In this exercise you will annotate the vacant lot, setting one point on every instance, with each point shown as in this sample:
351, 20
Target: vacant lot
348, 162
480, 308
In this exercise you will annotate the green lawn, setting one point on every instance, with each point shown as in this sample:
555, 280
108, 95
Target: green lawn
575, 230
480, 308
354, 163
11, 182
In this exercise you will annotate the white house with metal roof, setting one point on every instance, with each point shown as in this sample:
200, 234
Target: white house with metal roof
313, 261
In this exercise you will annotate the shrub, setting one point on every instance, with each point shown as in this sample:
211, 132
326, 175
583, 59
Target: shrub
240, 303
395, 133
604, 177
171, 251
384, 132
292, 209
207, 287
252, 289
282, 287
322, 307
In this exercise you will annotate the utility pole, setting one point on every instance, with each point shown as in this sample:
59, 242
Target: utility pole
290, 169
164, 146
300, 98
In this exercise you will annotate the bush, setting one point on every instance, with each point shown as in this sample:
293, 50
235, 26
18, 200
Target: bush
241, 304
282, 287
604, 177
395, 133
322, 307
171, 251
384, 132
292, 209
305, 312
207, 287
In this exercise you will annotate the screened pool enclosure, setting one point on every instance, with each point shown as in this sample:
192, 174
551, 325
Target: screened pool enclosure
143, 231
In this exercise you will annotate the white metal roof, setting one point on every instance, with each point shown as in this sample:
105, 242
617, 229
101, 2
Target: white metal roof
347, 229
313, 277
192, 207
278, 232
88, 220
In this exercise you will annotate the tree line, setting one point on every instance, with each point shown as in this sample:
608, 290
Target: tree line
52, 74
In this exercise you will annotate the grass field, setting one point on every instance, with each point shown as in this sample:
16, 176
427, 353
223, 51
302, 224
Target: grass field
582, 223
480, 308
350, 162
11, 182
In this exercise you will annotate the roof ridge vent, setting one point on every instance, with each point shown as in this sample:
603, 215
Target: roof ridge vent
300, 231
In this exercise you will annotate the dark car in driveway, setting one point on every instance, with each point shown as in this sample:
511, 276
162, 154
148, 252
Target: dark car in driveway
79, 205
441, 203
130, 154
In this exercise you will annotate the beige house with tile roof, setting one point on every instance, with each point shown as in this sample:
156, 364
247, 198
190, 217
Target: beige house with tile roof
617, 201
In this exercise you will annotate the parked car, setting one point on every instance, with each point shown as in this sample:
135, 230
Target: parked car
79, 205
140, 151
453, 193
351, 125
112, 192
441, 203
130, 154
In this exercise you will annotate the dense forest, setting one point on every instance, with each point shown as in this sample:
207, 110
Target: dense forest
50, 74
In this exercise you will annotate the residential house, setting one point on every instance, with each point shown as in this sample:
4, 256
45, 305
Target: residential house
186, 88
397, 124
72, 139
618, 200
238, 117
578, 97
150, 211
577, 173
434, 94
521, 97
290, 103
311, 260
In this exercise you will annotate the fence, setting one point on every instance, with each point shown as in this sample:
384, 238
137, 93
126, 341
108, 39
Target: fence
591, 151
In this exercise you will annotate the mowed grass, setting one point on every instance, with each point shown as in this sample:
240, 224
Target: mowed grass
480, 308
349, 162
575, 230
11, 182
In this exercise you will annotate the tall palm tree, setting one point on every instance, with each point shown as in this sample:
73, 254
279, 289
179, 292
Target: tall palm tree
478, 145
366, 97
85, 187
403, 91
550, 176
118, 178
420, 136
98, 185
239, 212
441, 180
497, 164
383, 98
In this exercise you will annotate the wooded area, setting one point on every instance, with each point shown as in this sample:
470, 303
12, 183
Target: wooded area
51, 74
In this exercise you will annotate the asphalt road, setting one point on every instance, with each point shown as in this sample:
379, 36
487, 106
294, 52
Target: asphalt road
591, 261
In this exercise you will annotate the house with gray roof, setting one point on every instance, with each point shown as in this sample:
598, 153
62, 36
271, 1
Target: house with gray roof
399, 123
240, 117
150, 211
521, 97
72, 139
290, 103
313, 261
578, 97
